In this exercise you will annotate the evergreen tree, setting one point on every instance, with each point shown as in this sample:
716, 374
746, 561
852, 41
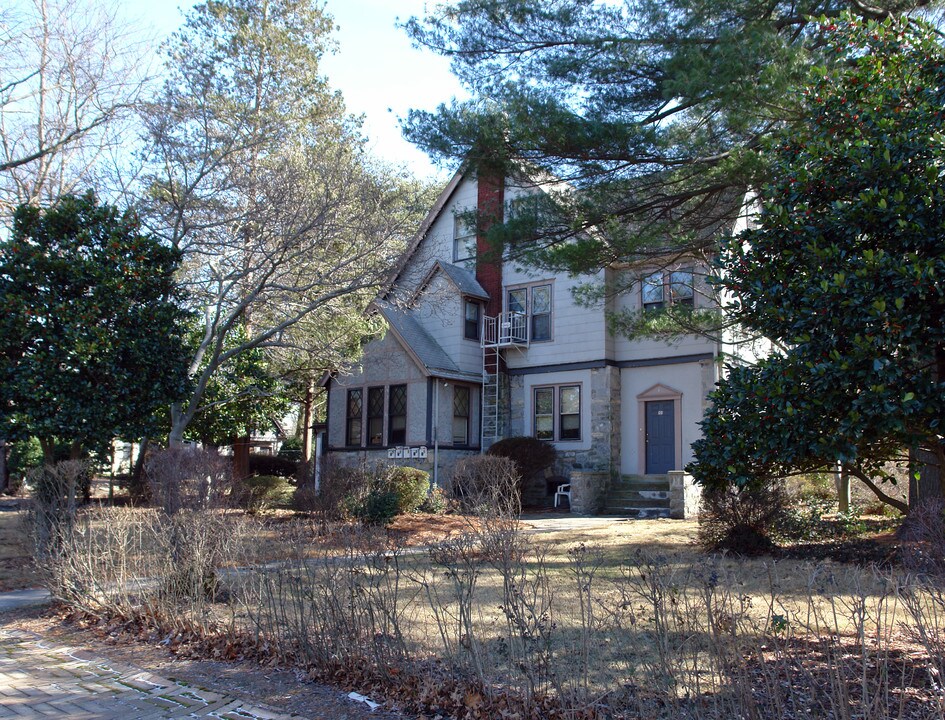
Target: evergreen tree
652, 109
844, 272
90, 326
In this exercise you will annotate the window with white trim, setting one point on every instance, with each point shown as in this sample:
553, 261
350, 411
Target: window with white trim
534, 301
557, 412
464, 239
472, 312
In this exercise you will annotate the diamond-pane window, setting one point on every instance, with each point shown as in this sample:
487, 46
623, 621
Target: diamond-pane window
376, 416
353, 425
397, 415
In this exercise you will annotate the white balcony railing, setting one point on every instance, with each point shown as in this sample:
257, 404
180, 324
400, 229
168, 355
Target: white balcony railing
507, 329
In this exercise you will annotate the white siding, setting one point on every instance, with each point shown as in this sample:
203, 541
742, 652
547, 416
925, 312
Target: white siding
693, 380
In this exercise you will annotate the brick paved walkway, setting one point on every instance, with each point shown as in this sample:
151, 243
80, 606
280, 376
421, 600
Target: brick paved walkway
39, 679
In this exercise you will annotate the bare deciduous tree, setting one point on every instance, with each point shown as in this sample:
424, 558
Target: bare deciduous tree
70, 72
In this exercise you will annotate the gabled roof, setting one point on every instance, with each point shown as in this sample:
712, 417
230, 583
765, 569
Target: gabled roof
462, 279
426, 352
441, 201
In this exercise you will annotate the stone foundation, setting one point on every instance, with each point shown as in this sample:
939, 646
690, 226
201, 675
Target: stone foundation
447, 459
588, 491
684, 495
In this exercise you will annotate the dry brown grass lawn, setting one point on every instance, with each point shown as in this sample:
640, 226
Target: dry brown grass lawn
16, 557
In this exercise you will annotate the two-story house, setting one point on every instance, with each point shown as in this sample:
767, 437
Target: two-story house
479, 348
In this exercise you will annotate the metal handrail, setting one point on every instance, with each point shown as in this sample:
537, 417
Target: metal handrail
508, 328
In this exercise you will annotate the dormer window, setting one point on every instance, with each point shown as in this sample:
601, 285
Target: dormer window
464, 239
472, 316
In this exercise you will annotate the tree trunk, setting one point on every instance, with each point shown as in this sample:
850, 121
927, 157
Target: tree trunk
925, 477
842, 478
241, 458
49, 450
137, 473
307, 404
4, 469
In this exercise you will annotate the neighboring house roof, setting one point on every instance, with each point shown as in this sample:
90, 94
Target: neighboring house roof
462, 279
426, 352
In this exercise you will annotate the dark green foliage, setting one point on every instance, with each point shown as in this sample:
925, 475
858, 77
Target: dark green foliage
529, 454
844, 272
260, 464
379, 507
24, 455
652, 108
90, 330
291, 449
410, 485
243, 395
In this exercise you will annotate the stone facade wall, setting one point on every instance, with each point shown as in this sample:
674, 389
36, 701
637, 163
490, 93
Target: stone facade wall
588, 491
684, 495
597, 464
447, 459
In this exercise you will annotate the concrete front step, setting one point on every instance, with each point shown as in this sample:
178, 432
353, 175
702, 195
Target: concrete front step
628, 503
638, 495
638, 513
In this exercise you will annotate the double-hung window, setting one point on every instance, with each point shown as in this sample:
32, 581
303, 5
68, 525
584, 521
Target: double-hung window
472, 312
464, 239
557, 412
534, 302
353, 414
397, 415
668, 288
375, 434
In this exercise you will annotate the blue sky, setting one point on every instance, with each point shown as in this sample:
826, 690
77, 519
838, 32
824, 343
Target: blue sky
378, 71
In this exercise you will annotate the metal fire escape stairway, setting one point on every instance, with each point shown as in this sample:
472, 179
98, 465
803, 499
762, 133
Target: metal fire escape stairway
507, 330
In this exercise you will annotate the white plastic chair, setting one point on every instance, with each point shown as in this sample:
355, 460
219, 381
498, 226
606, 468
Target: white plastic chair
563, 491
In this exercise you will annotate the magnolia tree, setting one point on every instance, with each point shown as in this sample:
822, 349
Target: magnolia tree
90, 326
844, 271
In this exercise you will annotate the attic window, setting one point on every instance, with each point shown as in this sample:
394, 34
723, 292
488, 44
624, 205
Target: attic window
464, 239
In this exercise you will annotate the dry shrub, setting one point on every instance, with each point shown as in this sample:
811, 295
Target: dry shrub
924, 531
742, 519
341, 489
181, 478
486, 485
57, 491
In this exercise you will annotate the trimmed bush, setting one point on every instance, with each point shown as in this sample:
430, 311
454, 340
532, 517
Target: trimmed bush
379, 507
410, 485
260, 464
291, 449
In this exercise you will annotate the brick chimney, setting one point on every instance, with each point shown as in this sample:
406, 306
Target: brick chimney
490, 206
